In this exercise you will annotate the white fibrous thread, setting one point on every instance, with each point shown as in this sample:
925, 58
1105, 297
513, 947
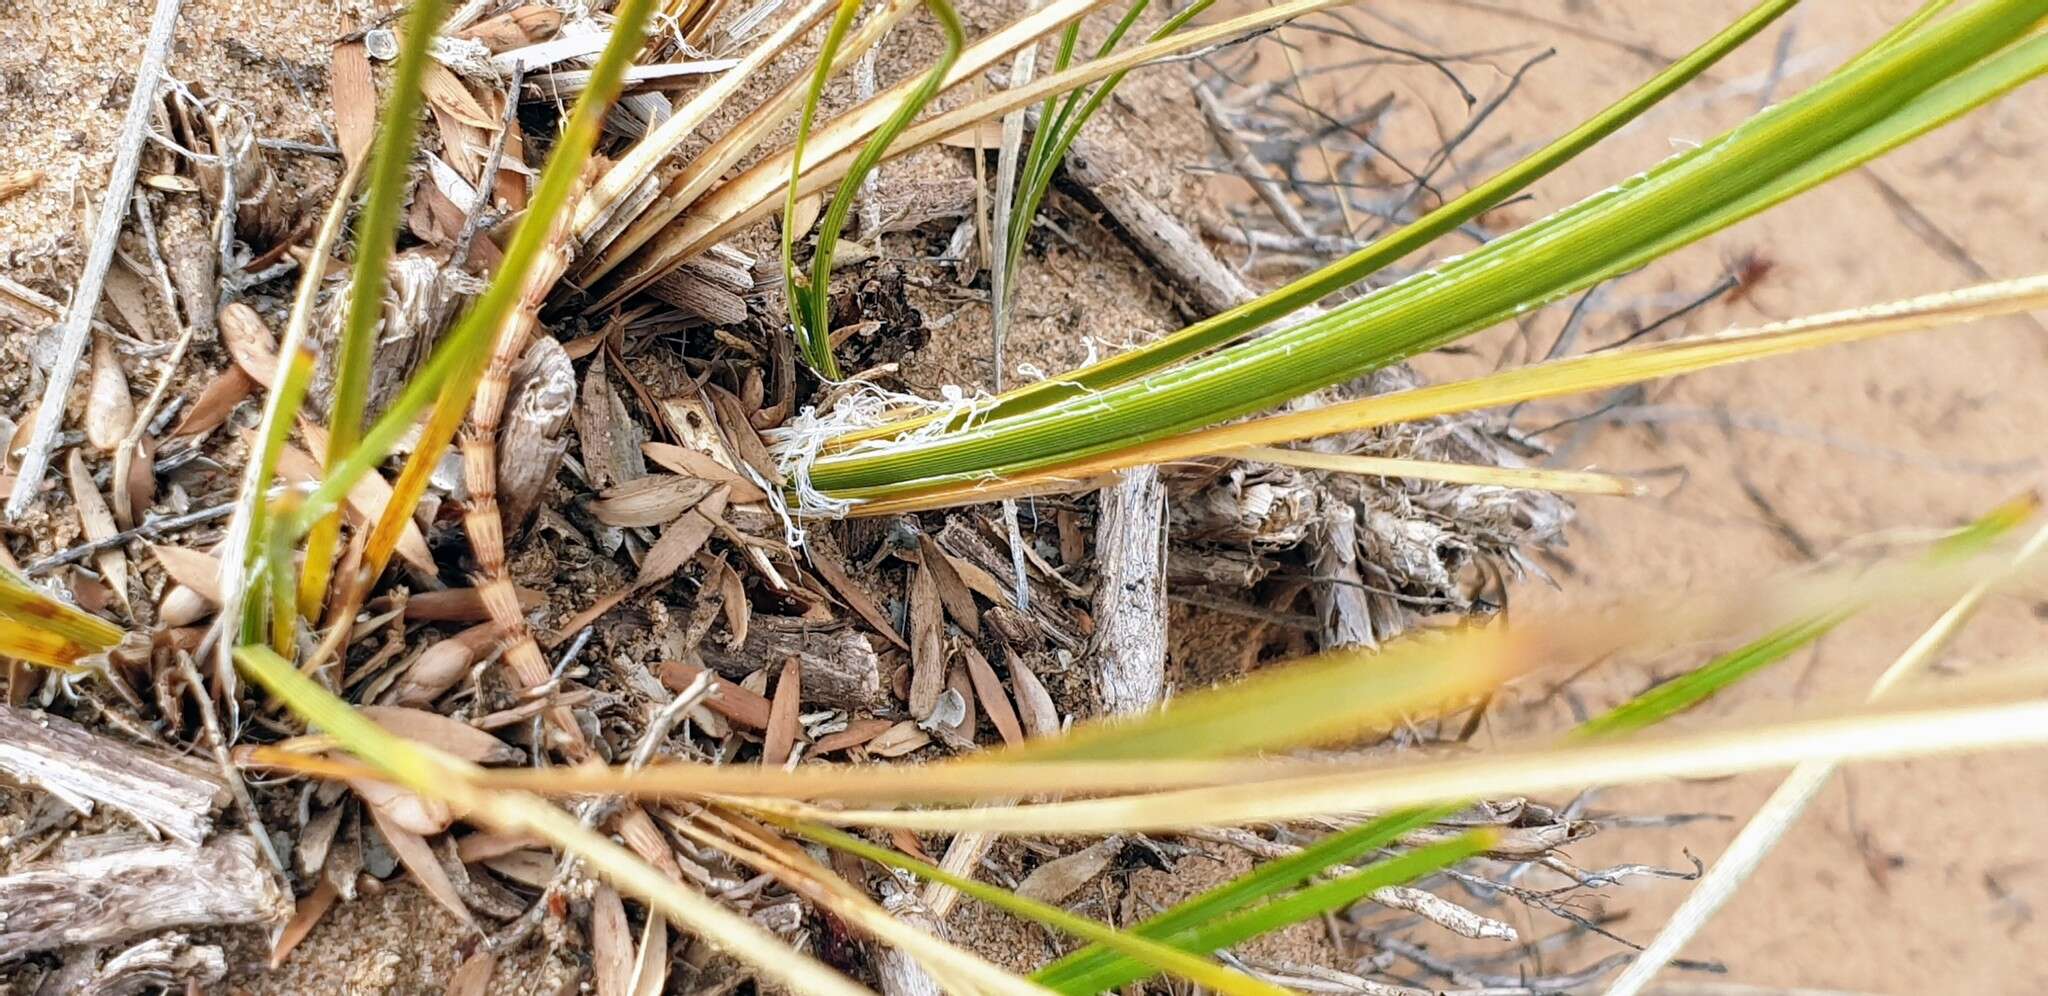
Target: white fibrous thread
863, 405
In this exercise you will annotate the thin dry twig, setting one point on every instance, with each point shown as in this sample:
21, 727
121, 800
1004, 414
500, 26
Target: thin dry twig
76, 329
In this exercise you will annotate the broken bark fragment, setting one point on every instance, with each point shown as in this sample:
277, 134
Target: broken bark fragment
927, 644
101, 890
159, 964
83, 769
839, 666
1128, 653
530, 446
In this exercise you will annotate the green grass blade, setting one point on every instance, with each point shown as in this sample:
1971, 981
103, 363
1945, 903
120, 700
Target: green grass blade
1066, 126
1325, 897
1127, 944
815, 325
459, 361
1917, 20
377, 225
267, 576
1537, 264
377, 228
1938, 106
1263, 882
1235, 323
813, 341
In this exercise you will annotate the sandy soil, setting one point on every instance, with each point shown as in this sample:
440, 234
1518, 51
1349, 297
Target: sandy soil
1905, 878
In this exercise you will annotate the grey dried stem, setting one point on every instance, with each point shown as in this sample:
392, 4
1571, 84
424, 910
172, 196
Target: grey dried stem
76, 329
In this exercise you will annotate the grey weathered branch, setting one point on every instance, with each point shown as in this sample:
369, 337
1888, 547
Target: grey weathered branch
85, 769
100, 890
76, 329
1129, 649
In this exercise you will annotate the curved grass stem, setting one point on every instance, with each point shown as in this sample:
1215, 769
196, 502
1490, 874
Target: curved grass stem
1224, 328
1867, 106
810, 299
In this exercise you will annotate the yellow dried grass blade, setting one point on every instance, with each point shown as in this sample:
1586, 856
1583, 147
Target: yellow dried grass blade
870, 783
1581, 482
646, 155
954, 967
704, 169
1334, 695
1154, 954
1543, 380
38, 628
830, 152
434, 775
1966, 716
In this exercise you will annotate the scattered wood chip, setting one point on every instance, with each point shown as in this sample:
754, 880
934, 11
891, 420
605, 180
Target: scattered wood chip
780, 738
98, 523
473, 976
692, 294
739, 613
442, 732
484, 844
20, 181
215, 403
131, 300
440, 666
1035, 708
1073, 543
515, 28
899, 740
840, 666
611, 439
691, 463
191, 568
401, 809
989, 689
310, 911
857, 733
952, 590
1056, 880
650, 973
730, 700
250, 343
611, 944
181, 606
826, 560
135, 492
412, 851
164, 963
738, 430
927, 643
109, 410
100, 890
681, 540
908, 843
461, 604
354, 97
674, 548
650, 501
